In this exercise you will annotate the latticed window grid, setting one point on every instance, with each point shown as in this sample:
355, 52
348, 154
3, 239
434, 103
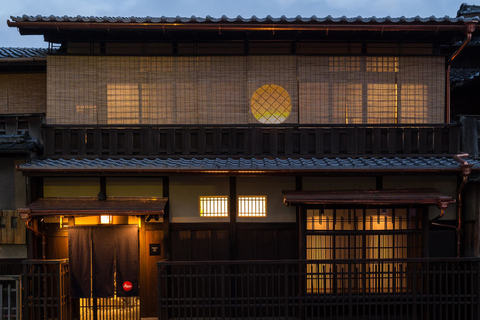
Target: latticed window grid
219, 90
382, 64
213, 206
271, 104
355, 234
252, 206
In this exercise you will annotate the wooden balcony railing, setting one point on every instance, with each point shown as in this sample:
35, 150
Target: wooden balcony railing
248, 141
320, 289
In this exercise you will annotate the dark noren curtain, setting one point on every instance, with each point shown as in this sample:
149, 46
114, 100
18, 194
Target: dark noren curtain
94, 251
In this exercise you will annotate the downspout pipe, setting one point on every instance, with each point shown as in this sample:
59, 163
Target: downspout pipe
25, 216
469, 29
466, 171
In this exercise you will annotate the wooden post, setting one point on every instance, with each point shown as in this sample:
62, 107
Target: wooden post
233, 218
143, 268
166, 218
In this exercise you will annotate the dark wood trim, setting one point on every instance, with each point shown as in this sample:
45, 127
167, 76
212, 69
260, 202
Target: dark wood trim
378, 182
200, 226
166, 217
266, 226
233, 218
143, 270
259, 140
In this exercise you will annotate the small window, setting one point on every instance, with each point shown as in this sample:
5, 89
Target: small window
13, 223
214, 206
252, 206
2, 223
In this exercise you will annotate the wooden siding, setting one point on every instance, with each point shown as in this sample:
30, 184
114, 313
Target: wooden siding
199, 141
23, 93
10, 234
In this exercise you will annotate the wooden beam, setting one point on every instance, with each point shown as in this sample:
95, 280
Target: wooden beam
166, 218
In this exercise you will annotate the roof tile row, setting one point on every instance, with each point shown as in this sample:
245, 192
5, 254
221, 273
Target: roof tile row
314, 164
238, 19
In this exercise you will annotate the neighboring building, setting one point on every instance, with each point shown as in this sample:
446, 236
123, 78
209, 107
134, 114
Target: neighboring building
312, 164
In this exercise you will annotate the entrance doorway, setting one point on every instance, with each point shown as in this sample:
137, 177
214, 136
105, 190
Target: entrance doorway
104, 265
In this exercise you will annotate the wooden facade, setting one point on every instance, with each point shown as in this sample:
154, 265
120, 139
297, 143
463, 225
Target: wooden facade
318, 241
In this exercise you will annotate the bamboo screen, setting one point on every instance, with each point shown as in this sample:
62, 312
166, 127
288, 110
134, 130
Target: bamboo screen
23, 93
225, 90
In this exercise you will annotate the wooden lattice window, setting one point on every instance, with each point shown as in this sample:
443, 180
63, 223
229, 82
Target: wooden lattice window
271, 104
213, 206
252, 206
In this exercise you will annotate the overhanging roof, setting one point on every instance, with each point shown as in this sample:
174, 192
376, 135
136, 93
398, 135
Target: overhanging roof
92, 206
239, 23
246, 165
369, 197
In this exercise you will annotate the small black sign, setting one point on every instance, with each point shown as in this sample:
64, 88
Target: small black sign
155, 249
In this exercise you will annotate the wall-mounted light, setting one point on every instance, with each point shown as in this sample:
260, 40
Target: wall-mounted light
106, 219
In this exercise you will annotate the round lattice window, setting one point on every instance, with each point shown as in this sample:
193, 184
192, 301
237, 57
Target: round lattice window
271, 104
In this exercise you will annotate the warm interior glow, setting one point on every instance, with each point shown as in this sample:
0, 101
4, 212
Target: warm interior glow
106, 219
252, 206
271, 104
413, 99
214, 206
123, 103
86, 114
367, 242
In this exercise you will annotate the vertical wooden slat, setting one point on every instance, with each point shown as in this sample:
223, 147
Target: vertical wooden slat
335, 141
202, 141
288, 142
392, 140
81, 142
186, 140
144, 141
303, 141
257, 141
407, 140
377, 140
422, 140
438, 140
351, 140
113, 141
154, 148
217, 141
128, 141
273, 142
454, 140
97, 141
232, 141
49, 143
360, 140
319, 143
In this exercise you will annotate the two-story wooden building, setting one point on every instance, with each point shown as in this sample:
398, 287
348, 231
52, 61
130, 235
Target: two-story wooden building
251, 168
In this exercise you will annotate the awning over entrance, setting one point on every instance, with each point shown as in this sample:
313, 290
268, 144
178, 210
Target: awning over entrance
369, 197
93, 206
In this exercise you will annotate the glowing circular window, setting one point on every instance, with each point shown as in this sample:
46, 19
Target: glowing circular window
271, 104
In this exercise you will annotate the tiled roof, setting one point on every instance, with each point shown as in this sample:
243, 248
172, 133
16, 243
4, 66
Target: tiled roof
250, 164
17, 143
466, 9
461, 76
238, 19
23, 52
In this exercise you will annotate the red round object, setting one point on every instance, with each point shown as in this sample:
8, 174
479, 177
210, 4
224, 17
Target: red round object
127, 286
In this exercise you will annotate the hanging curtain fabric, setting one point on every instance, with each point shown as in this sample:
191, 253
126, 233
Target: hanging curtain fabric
100, 253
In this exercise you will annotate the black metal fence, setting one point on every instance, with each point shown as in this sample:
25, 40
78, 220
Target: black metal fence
46, 289
320, 289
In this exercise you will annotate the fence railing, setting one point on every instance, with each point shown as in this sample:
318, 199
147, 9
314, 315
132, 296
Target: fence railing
10, 297
320, 289
248, 141
46, 289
